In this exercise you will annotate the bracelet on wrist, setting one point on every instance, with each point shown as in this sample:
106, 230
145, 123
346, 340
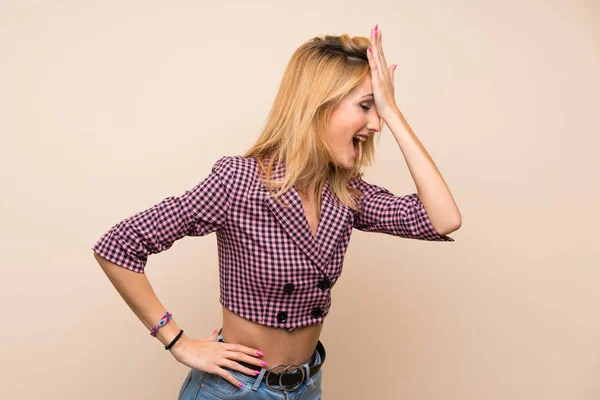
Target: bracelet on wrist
167, 347
163, 321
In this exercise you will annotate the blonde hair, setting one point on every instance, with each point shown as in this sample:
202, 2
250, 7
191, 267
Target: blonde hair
320, 73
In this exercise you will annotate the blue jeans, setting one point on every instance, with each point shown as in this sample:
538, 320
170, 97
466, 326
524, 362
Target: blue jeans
200, 385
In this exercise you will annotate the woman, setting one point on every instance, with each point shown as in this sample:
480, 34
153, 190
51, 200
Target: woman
283, 214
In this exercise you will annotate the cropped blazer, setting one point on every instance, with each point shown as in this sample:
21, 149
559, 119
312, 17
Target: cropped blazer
272, 270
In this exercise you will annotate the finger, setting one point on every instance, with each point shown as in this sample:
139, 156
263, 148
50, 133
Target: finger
392, 69
243, 349
227, 376
377, 53
214, 335
239, 367
371, 57
380, 48
372, 64
238, 356
383, 62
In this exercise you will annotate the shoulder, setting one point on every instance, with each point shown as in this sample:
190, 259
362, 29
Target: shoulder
235, 169
236, 163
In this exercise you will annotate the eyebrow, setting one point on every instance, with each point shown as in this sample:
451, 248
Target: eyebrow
367, 95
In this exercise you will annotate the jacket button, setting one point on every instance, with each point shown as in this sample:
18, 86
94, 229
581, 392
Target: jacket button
282, 316
316, 312
324, 284
289, 287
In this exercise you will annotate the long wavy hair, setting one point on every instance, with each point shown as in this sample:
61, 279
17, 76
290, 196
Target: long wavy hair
320, 73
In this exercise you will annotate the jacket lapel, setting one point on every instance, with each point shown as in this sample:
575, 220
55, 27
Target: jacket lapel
332, 222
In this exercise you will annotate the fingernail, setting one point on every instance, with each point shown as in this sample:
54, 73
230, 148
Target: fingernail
376, 25
263, 363
240, 384
369, 49
395, 65
260, 353
215, 331
256, 372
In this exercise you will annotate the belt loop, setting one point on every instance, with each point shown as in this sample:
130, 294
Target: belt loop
306, 367
309, 379
259, 379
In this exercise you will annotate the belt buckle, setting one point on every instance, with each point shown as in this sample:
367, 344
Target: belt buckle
281, 386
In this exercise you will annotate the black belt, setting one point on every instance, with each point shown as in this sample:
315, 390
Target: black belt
290, 381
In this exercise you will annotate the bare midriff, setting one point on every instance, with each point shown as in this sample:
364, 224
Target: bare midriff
278, 345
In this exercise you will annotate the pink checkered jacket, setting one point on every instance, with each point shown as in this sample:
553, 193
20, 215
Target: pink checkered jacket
271, 268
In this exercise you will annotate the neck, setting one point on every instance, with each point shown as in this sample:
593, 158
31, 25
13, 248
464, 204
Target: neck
307, 191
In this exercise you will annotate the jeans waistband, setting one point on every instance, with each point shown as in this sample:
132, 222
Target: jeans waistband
314, 364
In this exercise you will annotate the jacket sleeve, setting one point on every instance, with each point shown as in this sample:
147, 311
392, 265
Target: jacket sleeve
197, 212
402, 216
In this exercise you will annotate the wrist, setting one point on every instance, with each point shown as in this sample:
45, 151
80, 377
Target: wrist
179, 347
168, 332
392, 114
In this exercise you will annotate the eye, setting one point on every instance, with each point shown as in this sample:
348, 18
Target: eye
365, 107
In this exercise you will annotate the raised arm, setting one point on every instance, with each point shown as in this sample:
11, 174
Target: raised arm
403, 216
432, 191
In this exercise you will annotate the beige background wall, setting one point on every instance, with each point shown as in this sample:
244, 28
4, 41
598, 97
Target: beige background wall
108, 107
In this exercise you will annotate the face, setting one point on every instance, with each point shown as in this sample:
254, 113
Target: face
355, 115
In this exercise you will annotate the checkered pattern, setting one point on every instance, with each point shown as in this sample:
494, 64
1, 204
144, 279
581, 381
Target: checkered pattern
271, 269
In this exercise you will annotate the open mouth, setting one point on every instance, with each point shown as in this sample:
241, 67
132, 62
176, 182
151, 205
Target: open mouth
355, 145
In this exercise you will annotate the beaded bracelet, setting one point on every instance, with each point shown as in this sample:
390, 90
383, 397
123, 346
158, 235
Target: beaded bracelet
166, 318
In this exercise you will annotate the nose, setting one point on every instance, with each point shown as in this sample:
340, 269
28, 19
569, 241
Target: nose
374, 121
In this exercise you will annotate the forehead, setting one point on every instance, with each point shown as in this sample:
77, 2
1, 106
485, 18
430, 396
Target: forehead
364, 87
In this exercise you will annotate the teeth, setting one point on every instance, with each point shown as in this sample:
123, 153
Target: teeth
360, 138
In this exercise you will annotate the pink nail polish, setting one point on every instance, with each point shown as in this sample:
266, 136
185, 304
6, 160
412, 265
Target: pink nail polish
260, 353
256, 372
376, 25
263, 363
240, 384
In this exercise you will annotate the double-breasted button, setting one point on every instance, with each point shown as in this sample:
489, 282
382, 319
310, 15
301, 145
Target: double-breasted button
316, 312
289, 287
324, 284
282, 316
